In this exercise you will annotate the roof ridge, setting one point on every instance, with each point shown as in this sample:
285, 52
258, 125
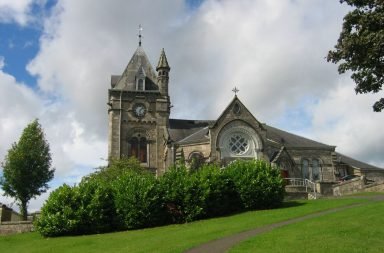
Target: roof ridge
191, 135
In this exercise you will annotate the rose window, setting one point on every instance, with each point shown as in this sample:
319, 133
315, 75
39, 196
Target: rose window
238, 144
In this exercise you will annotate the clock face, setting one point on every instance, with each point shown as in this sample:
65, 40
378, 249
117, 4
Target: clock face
139, 110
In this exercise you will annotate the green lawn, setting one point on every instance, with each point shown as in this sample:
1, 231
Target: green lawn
174, 238
358, 229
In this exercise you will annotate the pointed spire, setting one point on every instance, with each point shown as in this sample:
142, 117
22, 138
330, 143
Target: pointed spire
163, 63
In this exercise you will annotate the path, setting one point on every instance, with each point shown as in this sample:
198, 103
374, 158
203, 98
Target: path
223, 244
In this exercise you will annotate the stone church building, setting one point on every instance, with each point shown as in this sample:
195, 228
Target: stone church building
140, 126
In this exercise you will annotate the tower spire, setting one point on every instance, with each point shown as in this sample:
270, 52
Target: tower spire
163, 73
139, 35
163, 62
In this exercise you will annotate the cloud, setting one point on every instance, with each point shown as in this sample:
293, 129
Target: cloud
73, 155
15, 11
346, 120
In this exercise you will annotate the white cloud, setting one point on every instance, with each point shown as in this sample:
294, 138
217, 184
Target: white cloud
15, 11
73, 154
346, 120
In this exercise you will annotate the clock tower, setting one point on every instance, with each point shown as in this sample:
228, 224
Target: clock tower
139, 108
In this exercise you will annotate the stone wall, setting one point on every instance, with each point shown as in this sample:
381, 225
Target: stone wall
376, 187
10, 227
349, 187
357, 185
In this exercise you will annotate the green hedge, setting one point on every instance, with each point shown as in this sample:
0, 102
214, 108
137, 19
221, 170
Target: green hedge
258, 184
132, 199
138, 201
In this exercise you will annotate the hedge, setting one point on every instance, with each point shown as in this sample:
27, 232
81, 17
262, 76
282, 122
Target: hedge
132, 199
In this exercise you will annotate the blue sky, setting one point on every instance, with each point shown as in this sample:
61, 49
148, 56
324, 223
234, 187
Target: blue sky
56, 58
20, 42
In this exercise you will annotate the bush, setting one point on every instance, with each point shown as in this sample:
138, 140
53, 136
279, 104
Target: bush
258, 184
180, 195
59, 214
96, 208
218, 191
207, 192
84, 209
138, 201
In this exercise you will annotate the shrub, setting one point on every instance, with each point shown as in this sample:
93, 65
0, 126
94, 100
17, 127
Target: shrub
137, 201
96, 208
180, 195
84, 209
258, 184
130, 199
59, 214
207, 192
218, 191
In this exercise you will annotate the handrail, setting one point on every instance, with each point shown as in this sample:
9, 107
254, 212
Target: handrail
302, 182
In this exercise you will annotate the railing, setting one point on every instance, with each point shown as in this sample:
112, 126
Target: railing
309, 185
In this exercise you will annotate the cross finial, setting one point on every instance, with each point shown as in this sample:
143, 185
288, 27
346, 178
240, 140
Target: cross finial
235, 90
139, 35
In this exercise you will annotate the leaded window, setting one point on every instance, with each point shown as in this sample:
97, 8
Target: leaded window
138, 149
238, 144
305, 169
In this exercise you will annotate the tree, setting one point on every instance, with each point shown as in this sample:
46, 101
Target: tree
27, 167
360, 47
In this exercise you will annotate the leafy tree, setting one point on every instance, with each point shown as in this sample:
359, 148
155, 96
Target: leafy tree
360, 47
27, 167
117, 168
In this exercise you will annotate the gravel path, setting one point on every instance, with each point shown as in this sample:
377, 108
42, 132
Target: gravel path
223, 244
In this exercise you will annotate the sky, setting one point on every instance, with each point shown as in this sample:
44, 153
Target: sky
56, 59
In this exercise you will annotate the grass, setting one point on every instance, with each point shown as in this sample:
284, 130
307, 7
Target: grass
174, 238
358, 229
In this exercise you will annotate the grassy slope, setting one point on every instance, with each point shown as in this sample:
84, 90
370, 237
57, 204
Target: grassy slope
174, 238
358, 229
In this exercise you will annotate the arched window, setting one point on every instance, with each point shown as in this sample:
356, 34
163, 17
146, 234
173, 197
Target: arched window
315, 170
237, 140
138, 148
305, 168
196, 160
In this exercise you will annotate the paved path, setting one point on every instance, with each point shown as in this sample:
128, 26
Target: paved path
223, 244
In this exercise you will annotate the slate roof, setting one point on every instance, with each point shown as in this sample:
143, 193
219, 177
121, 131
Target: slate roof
355, 163
189, 131
138, 61
290, 140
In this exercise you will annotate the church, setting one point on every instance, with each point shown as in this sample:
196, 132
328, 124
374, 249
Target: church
140, 126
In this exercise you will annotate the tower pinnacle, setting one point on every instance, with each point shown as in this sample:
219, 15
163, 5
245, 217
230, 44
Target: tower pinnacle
163, 62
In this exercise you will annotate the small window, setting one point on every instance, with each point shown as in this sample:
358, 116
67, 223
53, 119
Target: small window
315, 170
140, 84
